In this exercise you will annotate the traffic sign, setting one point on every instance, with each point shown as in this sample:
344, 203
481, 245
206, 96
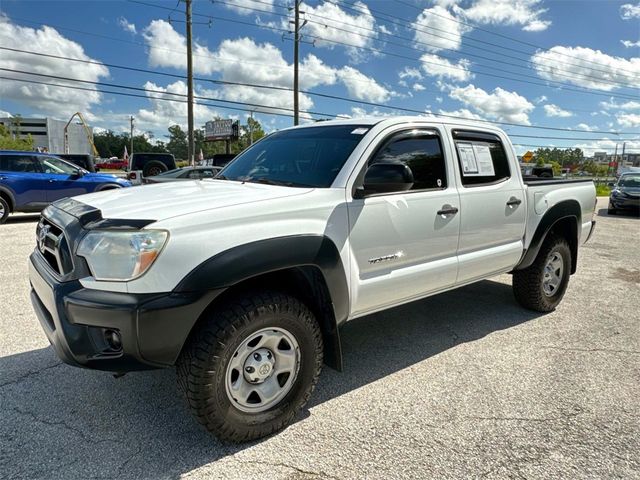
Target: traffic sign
527, 157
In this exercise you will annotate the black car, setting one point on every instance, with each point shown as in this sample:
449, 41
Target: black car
625, 194
83, 160
185, 173
152, 163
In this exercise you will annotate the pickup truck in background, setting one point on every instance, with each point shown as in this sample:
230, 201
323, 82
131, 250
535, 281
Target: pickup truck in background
242, 282
29, 181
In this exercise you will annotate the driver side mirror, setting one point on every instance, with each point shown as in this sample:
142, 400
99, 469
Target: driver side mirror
79, 173
386, 178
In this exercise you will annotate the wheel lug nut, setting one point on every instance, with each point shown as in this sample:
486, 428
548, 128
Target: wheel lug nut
257, 356
250, 369
269, 355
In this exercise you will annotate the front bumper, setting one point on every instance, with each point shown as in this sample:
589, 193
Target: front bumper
152, 327
624, 202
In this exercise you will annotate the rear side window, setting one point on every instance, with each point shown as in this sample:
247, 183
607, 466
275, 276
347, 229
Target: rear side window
422, 153
18, 163
481, 157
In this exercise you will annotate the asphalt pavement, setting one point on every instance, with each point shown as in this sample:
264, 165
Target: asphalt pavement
464, 384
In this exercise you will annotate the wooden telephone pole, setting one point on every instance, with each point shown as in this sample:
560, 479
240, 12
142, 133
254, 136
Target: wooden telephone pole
296, 48
190, 139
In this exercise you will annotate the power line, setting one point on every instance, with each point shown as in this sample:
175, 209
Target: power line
160, 92
393, 54
460, 54
513, 39
335, 97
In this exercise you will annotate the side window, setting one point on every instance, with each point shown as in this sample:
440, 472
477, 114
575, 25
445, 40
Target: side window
18, 163
482, 158
194, 174
422, 154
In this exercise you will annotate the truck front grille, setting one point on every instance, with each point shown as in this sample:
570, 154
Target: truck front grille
53, 246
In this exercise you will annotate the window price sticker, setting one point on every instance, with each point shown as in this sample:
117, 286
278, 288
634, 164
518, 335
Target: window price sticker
476, 159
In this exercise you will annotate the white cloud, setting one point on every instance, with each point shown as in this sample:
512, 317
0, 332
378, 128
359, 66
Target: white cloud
438, 28
249, 6
410, 72
630, 44
541, 99
500, 105
359, 112
555, 111
628, 120
629, 11
363, 87
45, 99
613, 105
163, 113
462, 112
417, 87
526, 13
585, 127
127, 26
435, 66
168, 48
586, 67
337, 25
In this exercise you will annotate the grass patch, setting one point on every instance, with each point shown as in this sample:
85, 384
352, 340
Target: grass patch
603, 190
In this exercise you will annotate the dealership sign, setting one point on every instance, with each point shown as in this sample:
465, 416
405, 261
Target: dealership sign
220, 130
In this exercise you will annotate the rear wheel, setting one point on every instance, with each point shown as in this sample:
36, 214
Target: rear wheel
4, 210
153, 168
251, 366
542, 285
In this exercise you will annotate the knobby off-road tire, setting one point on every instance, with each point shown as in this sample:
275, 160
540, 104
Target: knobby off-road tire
534, 287
206, 365
153, 168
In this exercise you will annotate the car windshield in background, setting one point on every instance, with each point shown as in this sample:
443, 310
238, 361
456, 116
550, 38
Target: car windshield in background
303, 157
629, 181
171, 173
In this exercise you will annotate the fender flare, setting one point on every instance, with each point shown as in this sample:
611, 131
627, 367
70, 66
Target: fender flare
253, 259
12, 198
567, 209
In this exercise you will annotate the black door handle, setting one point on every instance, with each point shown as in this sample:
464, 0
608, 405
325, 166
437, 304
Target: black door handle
447, 210
514, 201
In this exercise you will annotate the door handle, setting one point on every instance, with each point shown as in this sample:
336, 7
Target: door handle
447, 210
52, 180
2, 178
513, 201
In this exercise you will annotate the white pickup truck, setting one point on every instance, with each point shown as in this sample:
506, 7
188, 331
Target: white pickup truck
243, 282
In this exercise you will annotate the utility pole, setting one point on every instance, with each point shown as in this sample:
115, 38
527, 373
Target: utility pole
296, 48
191, 148
131, 135
251, 128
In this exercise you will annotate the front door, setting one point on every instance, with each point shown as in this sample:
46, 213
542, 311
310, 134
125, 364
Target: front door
62, 177
403, 245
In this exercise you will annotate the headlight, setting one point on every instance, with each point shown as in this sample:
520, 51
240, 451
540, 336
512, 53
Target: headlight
615, 192
121, 256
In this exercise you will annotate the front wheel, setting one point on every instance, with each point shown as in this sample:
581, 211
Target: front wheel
251, 366
542, 285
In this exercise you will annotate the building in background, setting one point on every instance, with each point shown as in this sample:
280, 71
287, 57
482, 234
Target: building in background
48, 134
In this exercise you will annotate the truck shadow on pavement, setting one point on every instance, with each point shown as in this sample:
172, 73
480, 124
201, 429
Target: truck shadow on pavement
30, 218
63, 422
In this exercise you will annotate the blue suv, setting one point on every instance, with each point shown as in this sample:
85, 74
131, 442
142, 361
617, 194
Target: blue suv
29, 181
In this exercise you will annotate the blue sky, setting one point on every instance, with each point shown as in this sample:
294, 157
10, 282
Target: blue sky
418, 54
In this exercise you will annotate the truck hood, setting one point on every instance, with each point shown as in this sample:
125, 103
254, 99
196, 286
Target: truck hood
165, 200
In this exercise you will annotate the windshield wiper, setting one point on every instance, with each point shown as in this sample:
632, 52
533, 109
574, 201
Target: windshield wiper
268, 181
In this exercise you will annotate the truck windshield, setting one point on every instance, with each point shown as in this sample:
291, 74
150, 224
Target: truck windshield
629, 181
303, 157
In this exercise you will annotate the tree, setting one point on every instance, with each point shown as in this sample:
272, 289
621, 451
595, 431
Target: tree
8, 142
177, 144
110, 144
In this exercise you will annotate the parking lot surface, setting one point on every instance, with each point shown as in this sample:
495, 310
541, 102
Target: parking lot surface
464, 384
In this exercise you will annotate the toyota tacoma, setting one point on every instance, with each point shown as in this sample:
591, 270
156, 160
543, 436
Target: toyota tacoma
242, 282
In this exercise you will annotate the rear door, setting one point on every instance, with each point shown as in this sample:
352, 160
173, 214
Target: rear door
403, 247
20, 174
493, 207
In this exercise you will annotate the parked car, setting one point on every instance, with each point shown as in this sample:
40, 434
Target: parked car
83, 160
112, 164
29, 181
184, 173
625, 195
537, 171
243, 282
152, 164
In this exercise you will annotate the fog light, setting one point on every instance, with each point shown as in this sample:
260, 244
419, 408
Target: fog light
113, 339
